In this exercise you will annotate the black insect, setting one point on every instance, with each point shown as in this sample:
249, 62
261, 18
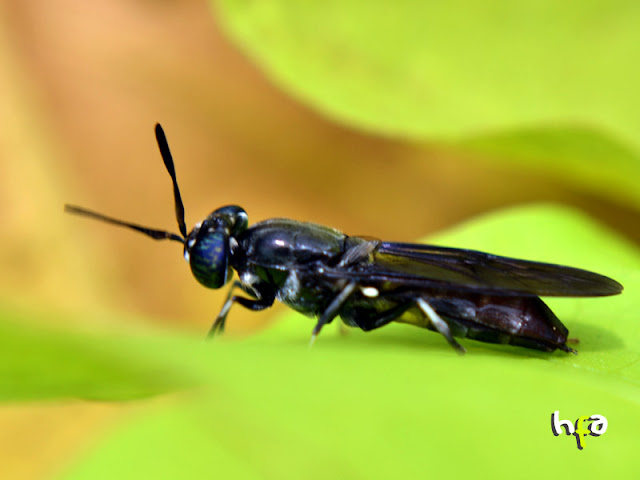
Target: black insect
323, 273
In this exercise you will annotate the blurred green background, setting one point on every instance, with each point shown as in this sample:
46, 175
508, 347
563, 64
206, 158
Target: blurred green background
394, 120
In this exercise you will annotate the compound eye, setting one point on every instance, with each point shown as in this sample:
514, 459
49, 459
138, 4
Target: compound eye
209, 259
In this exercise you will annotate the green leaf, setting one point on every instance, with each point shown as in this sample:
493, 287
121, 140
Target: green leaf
437, 69
581, 156
359, 413
399, 401
550, 86
41, 363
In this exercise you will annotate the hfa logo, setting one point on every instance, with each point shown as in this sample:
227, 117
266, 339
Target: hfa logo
596, 428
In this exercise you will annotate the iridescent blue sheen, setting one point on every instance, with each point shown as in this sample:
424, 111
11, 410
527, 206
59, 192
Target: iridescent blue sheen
209, 259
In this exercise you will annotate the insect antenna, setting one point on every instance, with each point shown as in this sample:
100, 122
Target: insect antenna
168, 163
151, 232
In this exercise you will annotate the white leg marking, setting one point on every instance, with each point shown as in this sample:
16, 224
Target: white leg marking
435, 319
439, 324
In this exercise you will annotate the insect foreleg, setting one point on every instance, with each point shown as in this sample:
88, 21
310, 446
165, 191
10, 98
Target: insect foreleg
250, 303
439, 324
332, 310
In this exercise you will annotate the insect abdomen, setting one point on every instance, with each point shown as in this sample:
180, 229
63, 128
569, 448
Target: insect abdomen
523, 321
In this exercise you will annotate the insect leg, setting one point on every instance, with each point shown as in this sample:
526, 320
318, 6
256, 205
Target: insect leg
332, 310
439, 324
378, 319
252, 304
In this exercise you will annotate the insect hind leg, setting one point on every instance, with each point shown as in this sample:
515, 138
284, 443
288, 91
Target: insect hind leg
440, 325
369, 319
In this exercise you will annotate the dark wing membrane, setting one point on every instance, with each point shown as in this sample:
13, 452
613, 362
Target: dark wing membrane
429, 266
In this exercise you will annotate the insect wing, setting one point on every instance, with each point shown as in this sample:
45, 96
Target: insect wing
427, 266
